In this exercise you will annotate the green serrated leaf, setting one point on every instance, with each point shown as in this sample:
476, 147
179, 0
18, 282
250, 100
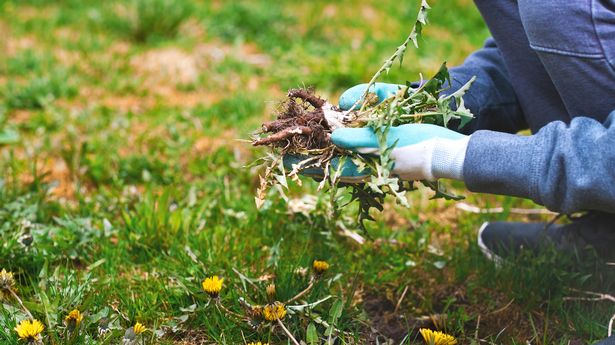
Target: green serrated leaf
311, 334
434, 85
336, 311
441, 191
334, 314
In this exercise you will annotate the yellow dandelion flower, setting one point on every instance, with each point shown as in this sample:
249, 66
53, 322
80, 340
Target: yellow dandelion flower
74, 317
138, 328
274, 311
29, 330
212, 286
437, 338
7, 283
320, 266
271, 290
258, 343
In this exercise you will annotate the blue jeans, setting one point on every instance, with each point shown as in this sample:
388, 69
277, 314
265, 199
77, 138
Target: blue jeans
555, 60
549, 67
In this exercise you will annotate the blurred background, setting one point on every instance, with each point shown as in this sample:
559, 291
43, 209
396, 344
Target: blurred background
136, 85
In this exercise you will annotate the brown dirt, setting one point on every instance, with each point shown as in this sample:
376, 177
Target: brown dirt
14, 45
166, 66
387, 323
500, 317
208, 144
54, 170
192, 338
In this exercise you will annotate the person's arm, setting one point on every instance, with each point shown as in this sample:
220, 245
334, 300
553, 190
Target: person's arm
567, 168
491, 98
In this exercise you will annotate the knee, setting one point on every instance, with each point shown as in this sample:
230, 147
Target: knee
559, 25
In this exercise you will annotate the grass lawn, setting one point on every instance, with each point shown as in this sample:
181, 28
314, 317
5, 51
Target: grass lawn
125, 183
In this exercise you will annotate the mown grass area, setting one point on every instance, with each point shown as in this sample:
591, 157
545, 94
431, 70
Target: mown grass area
124, 183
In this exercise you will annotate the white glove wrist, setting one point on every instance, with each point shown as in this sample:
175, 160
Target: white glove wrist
428, 160
447, 158
414, 162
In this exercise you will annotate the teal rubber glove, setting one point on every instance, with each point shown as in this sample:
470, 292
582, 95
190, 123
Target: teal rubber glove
354, 94
421, 151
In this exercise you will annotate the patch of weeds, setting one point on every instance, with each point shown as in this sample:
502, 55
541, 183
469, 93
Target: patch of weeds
69, 238
99, 168
149, 20
39, 91
46, 120
21, 210
31, 240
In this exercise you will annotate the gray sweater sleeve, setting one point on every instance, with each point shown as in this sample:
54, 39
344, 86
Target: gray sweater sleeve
567, 168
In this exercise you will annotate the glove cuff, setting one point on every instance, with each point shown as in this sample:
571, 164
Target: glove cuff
447, 158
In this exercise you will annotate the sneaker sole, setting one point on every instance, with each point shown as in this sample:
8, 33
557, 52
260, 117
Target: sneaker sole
486, 251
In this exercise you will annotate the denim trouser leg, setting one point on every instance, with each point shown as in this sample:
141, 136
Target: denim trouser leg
575, 40
567, 71
539, 99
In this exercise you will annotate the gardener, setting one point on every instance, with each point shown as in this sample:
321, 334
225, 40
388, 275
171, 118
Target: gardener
549, 67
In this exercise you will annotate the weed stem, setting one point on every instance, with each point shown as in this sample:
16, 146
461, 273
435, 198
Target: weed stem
290, 336
302, 293
228, 311
21, 303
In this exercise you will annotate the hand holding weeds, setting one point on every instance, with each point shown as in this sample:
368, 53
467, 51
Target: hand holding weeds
420, 151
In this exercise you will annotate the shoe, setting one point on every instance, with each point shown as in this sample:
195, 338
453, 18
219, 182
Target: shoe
607, 341
501, 239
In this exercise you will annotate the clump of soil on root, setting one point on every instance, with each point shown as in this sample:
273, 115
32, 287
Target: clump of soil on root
300, 125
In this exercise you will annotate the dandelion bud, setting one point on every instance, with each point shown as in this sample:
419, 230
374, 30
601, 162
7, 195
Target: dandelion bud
103, 326
26, 239
320, 267
7, 284
271, 291
256, 311
73, 319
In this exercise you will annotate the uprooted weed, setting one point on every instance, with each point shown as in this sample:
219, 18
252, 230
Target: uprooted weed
300, 124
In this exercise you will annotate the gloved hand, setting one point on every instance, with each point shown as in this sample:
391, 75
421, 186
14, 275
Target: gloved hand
352, 95
421, 151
